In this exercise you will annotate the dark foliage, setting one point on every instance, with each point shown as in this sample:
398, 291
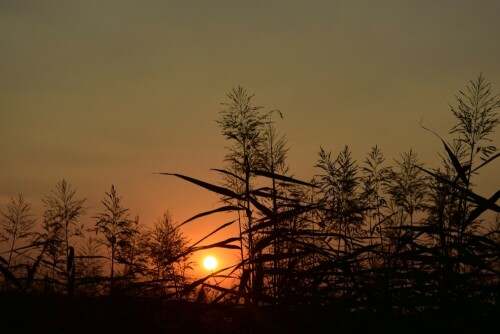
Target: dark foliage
358, 248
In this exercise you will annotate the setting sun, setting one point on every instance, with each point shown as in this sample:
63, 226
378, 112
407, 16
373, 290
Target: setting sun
210, 262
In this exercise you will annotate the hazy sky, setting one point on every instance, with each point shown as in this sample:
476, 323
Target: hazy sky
107, 92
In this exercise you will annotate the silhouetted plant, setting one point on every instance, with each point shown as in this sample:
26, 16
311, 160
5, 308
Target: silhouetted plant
116, 228
253, 266
166, 249
375, 176
63, 211
243, 124
52, 237
278, 197
16, 229
89, 267
16, 224
477, 119
61, 215
327, 182
403, 240
465, 254
342, 207
407, 186
132, 254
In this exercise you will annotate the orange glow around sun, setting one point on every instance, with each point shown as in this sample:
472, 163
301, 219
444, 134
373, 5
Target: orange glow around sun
210, 263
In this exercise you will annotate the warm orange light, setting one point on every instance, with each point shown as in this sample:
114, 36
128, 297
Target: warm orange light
210, 262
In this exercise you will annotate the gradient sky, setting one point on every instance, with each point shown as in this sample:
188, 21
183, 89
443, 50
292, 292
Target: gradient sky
107, 92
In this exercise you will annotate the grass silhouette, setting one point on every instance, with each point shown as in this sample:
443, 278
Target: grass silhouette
376, 247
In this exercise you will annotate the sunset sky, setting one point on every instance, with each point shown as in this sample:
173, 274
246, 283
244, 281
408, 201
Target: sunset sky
108, 92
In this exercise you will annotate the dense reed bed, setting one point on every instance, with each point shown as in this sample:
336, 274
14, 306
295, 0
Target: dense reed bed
356, 247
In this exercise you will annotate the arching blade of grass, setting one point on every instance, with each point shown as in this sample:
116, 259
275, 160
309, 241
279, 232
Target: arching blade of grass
261, 193
8, 275
263, 243
261, 207
486, 162
382, 221
227, 208
263, 258
206, 185
213, 232
34, 267
268, 221
472, 196
281, 177
222, 171
315, 233
224, 290
461, 171
202, 280
221, 244
483, 207
30, 246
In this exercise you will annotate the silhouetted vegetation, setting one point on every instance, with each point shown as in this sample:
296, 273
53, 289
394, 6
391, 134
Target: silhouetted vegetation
356, 247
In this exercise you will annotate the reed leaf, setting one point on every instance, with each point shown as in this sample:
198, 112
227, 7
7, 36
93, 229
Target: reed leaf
220, 244
483, 207
209, 186
487, 161
193, 285
472, 196
461, 172
213, 232
281, 177
226, 208
223, 171
9, 276
262, 208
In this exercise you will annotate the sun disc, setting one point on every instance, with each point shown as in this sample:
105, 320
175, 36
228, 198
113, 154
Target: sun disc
210, 263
